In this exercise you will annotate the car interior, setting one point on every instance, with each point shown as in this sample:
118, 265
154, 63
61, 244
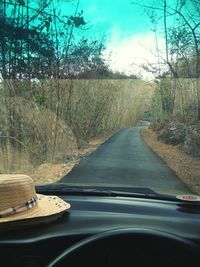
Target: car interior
103, 228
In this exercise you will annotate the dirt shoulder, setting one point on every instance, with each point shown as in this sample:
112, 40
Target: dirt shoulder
51, 173
186, 167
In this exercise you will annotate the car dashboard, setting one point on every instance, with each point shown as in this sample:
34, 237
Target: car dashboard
37, 246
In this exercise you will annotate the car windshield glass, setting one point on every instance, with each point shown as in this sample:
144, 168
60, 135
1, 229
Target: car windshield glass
101, 94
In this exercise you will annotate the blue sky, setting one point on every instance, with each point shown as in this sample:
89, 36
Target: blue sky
105, 15
115, 17
127, 28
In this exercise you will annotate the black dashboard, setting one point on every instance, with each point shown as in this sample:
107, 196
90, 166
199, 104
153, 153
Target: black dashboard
91, 215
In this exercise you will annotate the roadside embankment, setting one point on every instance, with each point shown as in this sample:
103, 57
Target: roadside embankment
51, 173
187, 167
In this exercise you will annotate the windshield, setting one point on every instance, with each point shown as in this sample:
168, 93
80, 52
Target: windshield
102, 93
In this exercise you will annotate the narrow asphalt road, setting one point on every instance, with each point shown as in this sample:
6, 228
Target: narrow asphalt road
126, 160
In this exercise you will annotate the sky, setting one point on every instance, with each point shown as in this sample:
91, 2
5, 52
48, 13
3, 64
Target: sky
130, 41
125, 27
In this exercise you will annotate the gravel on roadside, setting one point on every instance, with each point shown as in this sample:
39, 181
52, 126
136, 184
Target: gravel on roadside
186, 167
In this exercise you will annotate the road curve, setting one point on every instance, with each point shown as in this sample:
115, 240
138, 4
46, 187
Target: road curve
124, 159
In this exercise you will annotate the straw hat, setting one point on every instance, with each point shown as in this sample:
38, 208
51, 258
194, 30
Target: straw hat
19, 201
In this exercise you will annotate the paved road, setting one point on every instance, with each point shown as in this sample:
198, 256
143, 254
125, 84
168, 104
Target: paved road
125, 159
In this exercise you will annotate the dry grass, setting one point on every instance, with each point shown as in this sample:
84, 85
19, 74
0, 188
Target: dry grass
184, 101
185, 166
44, 123
12, 160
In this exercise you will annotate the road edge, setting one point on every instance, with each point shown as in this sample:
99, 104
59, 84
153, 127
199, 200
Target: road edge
185, 166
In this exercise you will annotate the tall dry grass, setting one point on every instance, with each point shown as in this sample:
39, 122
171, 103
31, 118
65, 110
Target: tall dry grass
184, 105
45, 121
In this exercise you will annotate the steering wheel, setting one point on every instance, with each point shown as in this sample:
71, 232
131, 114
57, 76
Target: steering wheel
130, 247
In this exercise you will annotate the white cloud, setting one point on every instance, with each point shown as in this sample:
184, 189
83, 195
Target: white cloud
130, 53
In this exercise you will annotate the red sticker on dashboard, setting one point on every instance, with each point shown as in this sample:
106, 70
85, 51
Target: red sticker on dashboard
188, 197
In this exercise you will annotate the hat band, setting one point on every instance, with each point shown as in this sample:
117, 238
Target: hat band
13, 210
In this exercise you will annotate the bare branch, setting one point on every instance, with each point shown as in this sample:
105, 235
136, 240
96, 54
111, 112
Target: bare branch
13, 138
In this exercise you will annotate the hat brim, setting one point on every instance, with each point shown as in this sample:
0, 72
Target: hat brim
46, 206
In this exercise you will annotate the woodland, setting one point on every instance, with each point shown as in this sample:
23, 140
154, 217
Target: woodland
57, 91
